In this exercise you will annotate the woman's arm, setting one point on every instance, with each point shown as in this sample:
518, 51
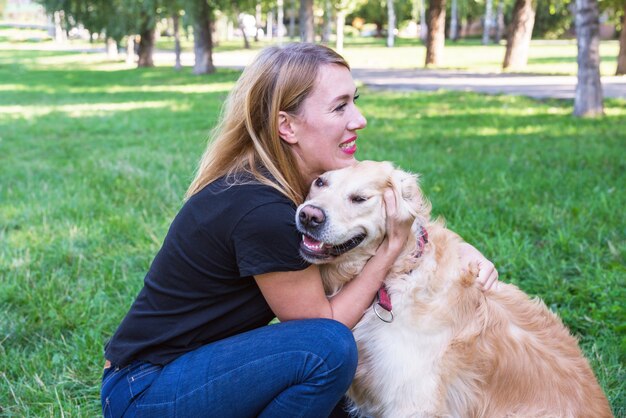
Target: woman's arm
300, 294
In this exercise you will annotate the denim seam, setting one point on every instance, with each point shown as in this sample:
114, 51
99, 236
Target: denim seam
231, 371
145, 372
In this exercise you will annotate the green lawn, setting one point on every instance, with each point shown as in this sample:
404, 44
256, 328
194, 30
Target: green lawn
95, 159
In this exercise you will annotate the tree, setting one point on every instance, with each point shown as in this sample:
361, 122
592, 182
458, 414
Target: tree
307, 27
423, 19
520, 33
174, 8
342, 9
280, 17
454, 21
487, 21
114, 18
377, 12
292, 19
202, 36
621, 57
435, 39
391, 24
146, 31
553, 18
499, 21
588, 98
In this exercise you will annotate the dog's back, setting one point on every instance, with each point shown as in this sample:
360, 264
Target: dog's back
535, 367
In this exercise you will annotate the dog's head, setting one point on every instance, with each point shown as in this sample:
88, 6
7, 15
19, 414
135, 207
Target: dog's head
345, 210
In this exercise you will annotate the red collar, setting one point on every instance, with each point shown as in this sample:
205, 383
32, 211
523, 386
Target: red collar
383, 299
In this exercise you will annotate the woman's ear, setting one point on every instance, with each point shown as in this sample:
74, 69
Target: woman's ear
285, 128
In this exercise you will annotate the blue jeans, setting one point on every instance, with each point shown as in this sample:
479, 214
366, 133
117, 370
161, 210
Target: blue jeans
293, 369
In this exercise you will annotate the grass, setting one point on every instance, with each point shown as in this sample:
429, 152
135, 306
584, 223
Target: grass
95, 158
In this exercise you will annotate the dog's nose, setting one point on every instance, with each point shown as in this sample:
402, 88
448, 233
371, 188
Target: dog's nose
311, 216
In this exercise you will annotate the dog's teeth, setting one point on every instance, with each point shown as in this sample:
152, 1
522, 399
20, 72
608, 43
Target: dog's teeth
316, 247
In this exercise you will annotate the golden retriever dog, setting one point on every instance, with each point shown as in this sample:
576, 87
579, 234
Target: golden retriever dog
442, 347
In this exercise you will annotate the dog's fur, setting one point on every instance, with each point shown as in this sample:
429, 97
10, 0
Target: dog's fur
452, 349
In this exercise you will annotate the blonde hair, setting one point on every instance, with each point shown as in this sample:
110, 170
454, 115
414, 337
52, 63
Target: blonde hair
246, 139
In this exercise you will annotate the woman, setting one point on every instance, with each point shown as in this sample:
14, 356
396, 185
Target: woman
195, 342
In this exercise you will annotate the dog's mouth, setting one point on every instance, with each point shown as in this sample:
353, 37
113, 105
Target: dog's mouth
318, 251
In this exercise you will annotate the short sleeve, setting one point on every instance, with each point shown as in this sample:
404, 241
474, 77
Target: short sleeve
266, 240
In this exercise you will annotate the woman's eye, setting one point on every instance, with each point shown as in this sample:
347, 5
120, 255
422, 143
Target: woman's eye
341, 107
358, 199
356, 97
319, 182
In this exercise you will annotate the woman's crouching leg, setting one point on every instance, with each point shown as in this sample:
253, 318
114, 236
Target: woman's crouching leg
325, 370
298, 368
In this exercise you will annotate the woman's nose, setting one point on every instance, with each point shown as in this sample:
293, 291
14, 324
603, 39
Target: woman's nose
358, 121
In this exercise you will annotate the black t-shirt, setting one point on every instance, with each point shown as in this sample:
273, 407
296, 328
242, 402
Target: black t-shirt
200, 287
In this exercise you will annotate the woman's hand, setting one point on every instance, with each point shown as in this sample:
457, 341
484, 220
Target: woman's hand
487, 273
398, 229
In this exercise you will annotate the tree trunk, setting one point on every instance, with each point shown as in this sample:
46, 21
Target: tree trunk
520, 33
146, 47
60, 36
423, 18
454, 21
203, 40
111, 47
307, 27
257, 20
280, 12
292, 19
391, 24
621, 57
499, 21
130, 49
341, 23
242, 28
436, 31
488, 20
328, 22
177, 50
269, 26
588, 98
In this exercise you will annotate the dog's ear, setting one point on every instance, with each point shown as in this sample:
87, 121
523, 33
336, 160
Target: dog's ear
408, 194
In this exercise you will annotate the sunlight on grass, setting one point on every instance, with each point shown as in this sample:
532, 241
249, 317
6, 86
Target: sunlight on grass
81, 110
548, 57
184, 89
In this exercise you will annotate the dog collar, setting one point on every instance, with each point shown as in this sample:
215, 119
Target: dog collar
382, 297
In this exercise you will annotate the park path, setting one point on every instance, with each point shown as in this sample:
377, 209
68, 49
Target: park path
532, 85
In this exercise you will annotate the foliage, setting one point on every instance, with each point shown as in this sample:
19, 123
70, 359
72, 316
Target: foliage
115, 18
553, 18
376, 12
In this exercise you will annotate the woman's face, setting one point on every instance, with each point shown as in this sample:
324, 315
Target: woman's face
324, 132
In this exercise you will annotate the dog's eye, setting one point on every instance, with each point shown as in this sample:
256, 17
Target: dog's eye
358, 199
319, 182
